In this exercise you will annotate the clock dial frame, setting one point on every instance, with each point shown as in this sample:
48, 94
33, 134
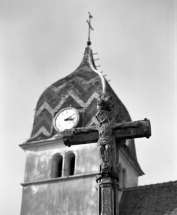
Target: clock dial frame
66, 118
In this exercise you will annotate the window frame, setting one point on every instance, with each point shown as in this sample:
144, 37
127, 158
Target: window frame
56, 161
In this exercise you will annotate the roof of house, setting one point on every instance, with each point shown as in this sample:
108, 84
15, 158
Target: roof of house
155, 199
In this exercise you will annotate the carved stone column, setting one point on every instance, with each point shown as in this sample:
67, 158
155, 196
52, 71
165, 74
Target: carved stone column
108, 156
108, 196
108, 184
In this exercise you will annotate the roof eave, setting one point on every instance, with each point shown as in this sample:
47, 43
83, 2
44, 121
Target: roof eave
132, 161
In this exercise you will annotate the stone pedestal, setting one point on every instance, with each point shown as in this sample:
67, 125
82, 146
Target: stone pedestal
108, 196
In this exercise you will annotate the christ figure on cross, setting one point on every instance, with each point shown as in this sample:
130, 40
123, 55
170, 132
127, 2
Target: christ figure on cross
107, 129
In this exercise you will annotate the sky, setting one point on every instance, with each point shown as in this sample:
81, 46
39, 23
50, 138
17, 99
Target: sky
42, 41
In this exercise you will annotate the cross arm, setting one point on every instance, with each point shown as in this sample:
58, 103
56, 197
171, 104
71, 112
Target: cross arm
130, 130
130, 124
77, 135
82, 130
126, 130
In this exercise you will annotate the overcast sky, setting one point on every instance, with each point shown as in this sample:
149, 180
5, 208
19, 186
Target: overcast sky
42, 41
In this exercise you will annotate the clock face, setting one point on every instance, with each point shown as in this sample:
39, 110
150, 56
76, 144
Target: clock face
66, 119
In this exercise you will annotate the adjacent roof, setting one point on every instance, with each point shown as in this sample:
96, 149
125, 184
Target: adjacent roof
155, 199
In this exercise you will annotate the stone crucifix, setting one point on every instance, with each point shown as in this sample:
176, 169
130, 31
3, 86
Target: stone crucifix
109, 136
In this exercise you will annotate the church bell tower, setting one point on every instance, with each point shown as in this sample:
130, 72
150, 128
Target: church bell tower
60, 179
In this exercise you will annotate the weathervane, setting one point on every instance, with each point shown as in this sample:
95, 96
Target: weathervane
90, 27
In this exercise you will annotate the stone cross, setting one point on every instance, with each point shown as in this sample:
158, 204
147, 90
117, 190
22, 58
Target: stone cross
109, 136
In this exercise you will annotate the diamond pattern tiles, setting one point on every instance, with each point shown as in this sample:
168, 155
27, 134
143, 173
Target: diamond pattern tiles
79, 90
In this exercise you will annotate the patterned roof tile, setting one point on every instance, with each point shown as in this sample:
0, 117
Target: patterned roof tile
80, 90
155, 199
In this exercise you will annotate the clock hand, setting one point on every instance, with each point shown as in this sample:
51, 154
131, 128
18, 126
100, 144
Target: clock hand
69, 118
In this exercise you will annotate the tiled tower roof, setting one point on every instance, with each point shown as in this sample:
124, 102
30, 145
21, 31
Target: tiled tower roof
80, 90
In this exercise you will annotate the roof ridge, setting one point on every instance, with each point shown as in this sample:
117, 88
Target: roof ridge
150, 185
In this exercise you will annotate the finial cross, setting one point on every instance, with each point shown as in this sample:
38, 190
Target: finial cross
90, 28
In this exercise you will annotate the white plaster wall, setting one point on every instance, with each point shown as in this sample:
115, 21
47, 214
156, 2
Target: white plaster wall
72, 196
132, 175
39, 159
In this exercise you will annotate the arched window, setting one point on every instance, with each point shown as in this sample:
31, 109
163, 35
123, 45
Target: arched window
70, 164
57, 163
124, 182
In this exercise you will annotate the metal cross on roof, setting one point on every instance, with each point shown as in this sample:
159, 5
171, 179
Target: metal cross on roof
90, 28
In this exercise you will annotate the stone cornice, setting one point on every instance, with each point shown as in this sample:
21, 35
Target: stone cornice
42, 143
53, 180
